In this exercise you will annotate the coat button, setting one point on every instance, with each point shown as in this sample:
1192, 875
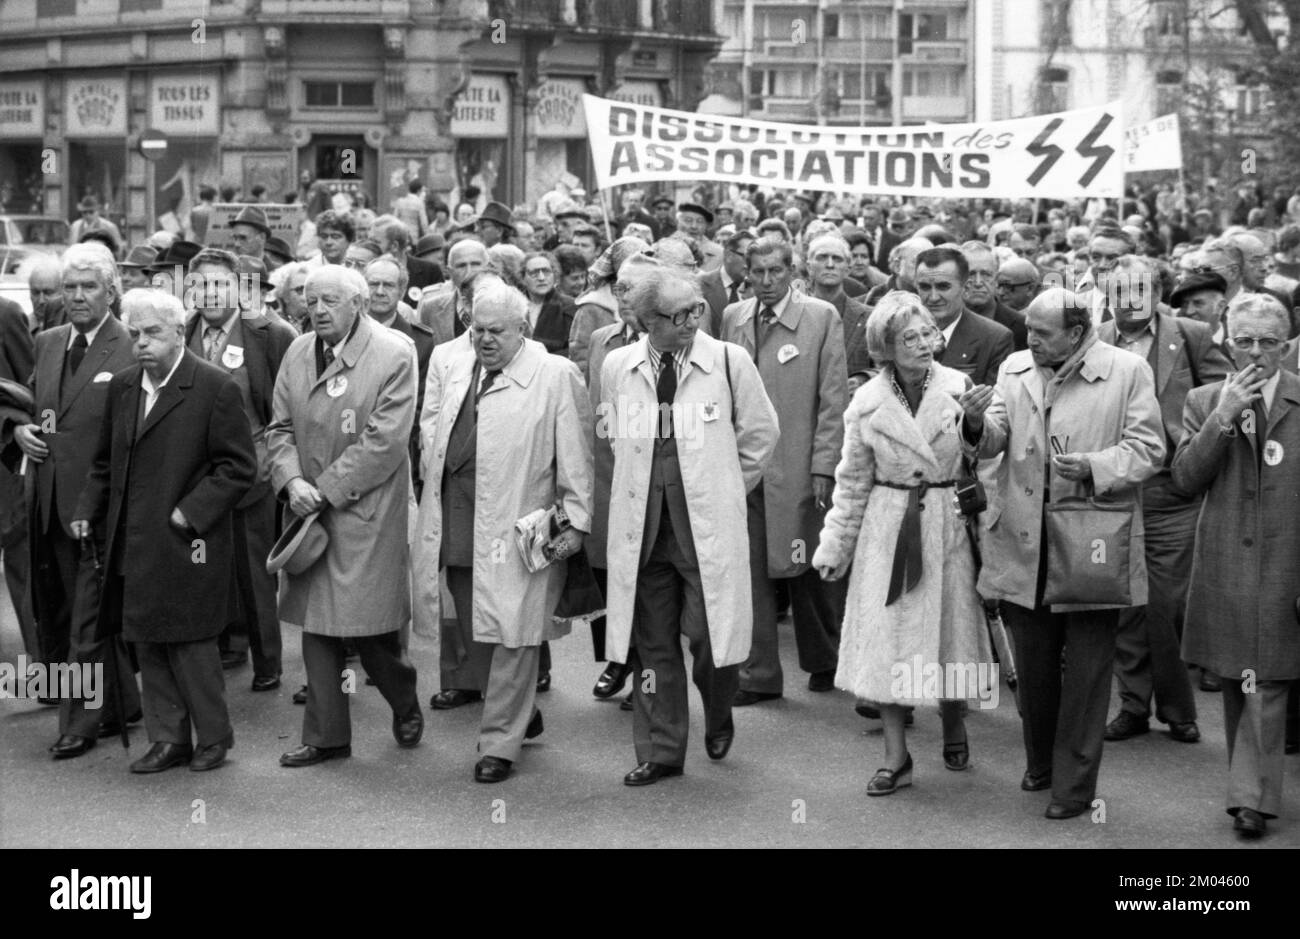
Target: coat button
1247, 542
1028, 491
1029, 449
917, 473
354, 495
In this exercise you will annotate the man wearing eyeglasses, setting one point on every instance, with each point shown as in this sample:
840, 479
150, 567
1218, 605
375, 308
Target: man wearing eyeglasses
1241, 261
798, 344
1182, 356
726, 285
1241, 449
677, 545
1109, 243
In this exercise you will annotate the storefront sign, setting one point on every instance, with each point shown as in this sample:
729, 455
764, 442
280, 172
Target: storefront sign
95, 107
22, 109
483, 108
559, 108
284, 220
650, 93
185, 104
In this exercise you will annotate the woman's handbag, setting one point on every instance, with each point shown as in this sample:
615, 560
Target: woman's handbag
1088, 546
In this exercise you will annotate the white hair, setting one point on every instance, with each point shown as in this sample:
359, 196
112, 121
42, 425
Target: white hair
403, 275
828, 239
39, 262
496, 294
1257, 304
336, 273
464, 245
152, 300
290, 269
94, 256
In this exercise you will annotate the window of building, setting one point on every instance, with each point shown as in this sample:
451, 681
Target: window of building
931, 27
831, 25
1169, 91
931, 83
851, 85
1055, 18
1053, 90
49, 8
1168, 17
1250, 94
339, 94
867, 25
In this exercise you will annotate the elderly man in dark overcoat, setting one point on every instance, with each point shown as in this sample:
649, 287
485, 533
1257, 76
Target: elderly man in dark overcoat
174, 458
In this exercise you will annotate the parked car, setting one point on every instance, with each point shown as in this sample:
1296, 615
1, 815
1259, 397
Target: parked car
21, 236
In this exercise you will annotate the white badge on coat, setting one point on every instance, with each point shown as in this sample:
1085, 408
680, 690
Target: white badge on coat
336, 386
103, 376
710, 412
786, 353
1273, 453
233, 356
414, 294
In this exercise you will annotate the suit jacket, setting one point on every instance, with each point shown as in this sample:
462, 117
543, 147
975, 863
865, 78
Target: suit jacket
978, 347
853, 314
554, 323
888, 241
75, 422
437, 313
194, 452
603, 341
803, 371
424, 341
1183, 357
717, 297
1003, 314
423, 274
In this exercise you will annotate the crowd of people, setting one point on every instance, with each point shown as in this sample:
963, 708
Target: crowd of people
954, 442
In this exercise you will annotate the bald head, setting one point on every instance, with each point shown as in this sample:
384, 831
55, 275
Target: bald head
1017, 282
465, 260
1057, 322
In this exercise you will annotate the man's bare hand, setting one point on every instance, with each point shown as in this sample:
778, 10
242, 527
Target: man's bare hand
304, 498
823, 488
1239, 393
29, 441
566, 544
974, 403
1075, 467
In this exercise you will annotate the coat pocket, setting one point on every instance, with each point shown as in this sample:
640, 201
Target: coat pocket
365, 507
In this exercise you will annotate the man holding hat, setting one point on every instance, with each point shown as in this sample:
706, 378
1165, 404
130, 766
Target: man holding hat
338, 445
249, 231
134, 271
693, 221
90, 221
495, 225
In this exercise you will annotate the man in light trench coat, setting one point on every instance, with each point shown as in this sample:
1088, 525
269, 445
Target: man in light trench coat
692, 429
505, 431
339, 443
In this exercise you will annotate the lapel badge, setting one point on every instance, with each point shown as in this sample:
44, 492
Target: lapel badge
232, 357
336, 386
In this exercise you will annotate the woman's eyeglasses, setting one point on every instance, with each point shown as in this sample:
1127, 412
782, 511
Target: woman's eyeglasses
916, 340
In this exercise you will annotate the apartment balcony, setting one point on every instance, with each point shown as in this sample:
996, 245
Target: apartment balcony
856, 50
20, 18
834, 51
334, 11
951, 51
934, 108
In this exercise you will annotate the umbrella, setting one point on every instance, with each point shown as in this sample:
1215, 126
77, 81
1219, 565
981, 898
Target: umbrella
88, 545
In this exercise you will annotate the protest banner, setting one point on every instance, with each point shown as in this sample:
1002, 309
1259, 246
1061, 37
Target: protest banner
1155, 145
1069, 155
284, 220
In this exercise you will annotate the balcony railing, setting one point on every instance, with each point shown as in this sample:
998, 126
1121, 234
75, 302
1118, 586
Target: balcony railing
952, 50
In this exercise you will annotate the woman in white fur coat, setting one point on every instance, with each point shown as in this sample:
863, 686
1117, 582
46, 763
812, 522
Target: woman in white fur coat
914, 630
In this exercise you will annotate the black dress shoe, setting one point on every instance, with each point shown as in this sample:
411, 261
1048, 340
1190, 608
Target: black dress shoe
206, 758
1210, 682
746, 698
1249, 823
1126, 724
544, 683
821, 681
956, 756
717, 745
1032, 782
647, 773
1062, 809
627, 703
307, 755
611, 680
113, 728
450, 698
535, 726
888, 781
300, 696
1185, 732
70, 745
231, 660
266, 683
408, 730
163, 756
492, 769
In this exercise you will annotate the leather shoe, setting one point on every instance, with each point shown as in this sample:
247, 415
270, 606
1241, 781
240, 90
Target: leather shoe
746, 698
231, 660
70, 745
535, 726
543, 683
266, 683
408, 730
888, 781
1036, 783
821, 681
307, 755
956, 756
1126, 724
872, 713
717, 745
1210, 682
611, 680
450, 698
1186, 732
1061, 809
1249, 823
206, 758
492, 769
627, 703
300, 696
113, 728
647, 774
163, 756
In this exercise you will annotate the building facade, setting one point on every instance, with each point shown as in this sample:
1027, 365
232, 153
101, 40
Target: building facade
275, 93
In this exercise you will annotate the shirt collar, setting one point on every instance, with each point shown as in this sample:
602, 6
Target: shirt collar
952, 327
781, 306
1150, 328
1270, 389
90, 335
147, 382
227, 327
680, 357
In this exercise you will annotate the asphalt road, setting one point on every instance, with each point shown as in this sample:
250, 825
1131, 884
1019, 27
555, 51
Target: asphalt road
795, 777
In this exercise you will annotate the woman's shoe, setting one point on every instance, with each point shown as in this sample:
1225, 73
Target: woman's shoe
886, 780
956, 756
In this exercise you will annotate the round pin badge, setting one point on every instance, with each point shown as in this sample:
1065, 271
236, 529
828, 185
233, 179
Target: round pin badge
336, 386
232, 357
1273, 453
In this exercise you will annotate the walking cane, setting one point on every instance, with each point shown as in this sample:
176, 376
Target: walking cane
992, 619
113, 666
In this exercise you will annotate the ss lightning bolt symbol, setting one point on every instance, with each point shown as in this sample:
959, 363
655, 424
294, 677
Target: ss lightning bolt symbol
1100, 155
1049, 152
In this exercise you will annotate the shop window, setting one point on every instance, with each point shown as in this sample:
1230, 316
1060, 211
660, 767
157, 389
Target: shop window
1053, 90
339, 94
